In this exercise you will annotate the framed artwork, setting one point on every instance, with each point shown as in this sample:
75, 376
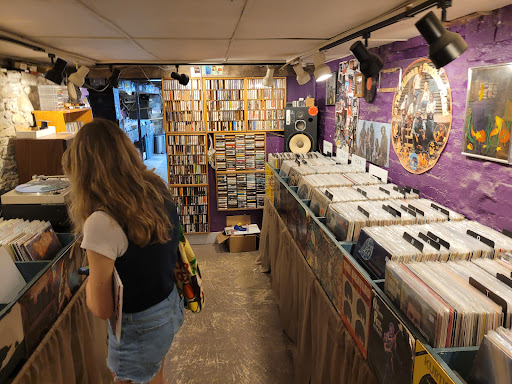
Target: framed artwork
330, 89
373, 142
347, 106
422, 116
489, 113
359, 80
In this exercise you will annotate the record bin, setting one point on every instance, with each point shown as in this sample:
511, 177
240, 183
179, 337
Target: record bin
394, 348
50, 286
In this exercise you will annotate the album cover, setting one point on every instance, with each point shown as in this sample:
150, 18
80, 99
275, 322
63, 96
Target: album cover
11, 341
371, 254
390, 345
44, 246
303, 219
39, 310
356, 304
338, 224
313, 244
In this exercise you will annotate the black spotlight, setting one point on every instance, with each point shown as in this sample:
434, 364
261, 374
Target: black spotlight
56, 74
444, 46
182, 79
370, 63
113, 80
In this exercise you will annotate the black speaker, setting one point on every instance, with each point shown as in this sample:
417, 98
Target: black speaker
301, 129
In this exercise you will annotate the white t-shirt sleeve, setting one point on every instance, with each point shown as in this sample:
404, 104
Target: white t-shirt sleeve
102, 234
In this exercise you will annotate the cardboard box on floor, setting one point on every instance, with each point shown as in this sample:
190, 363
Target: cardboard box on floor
238, 243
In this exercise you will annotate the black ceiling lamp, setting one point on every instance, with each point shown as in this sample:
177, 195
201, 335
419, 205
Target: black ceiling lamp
370, 63
444, 46
182, 79
113, 80
56, 74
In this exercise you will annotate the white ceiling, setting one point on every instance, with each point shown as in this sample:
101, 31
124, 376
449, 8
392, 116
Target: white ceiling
199, 31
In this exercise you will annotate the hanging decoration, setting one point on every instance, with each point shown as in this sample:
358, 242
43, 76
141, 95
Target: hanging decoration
422, 116
347, 106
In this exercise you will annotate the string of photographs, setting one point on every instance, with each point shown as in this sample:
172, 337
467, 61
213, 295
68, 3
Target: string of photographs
347, 106
488, 118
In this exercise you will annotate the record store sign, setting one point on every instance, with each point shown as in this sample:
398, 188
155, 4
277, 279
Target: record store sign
422, 116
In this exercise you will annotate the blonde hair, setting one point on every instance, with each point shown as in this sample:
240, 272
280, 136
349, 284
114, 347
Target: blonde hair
106, 173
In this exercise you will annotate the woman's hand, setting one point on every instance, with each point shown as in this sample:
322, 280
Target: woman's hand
99, 294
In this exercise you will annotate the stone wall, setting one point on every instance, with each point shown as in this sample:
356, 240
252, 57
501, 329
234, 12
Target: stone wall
18, 98
481, 190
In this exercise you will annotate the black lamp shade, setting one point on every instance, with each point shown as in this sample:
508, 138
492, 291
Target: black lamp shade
370, 63
444, 46
182, 79
113, 80
56, 74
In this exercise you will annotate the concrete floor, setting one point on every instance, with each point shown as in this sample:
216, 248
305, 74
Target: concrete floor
159, 162
237, 337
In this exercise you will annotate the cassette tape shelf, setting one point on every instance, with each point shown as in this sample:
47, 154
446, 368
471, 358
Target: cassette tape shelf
186, 152
379, 313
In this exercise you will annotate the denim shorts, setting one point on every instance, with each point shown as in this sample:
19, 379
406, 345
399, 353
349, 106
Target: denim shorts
146, 337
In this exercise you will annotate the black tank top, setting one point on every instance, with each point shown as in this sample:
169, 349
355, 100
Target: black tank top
147, 273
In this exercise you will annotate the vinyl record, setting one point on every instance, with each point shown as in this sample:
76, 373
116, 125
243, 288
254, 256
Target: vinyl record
300, 143
371, 89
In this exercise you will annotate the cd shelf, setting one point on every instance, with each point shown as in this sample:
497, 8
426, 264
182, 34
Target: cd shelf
240, 170
265, 106
183, 106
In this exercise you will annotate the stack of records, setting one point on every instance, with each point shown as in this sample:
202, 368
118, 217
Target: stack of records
29, 240
308, 183
446, 309
276, 159
493, 363
362, 178
321, 198
383, 192
347, 168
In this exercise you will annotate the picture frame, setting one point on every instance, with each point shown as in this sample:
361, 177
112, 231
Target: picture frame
330, 89
359, 83
488, 117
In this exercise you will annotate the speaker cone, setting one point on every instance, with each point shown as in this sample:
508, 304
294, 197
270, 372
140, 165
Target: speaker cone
300, 125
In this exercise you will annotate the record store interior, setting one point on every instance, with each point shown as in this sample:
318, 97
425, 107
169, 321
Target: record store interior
341, 172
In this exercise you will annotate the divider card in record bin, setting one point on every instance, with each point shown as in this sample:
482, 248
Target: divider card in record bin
390, 345
371, 254
356, 304
427, 370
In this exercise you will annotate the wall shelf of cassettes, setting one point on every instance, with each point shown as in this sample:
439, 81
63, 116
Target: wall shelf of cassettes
265, 105
225, 101
186, 152
240, 170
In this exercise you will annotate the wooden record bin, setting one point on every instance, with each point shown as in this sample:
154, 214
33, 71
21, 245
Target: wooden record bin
50, 286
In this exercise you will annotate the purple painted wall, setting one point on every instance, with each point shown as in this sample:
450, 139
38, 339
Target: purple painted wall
481, 190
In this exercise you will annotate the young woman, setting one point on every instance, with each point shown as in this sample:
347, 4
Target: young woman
128, 222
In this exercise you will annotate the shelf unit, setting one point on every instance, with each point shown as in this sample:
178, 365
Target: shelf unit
69, 120
224, 103
186, 152
265, 106
240, 170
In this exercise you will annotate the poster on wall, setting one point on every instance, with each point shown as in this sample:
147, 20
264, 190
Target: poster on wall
489, 113
347, 106
330, 89
373, 142
422, 116
356, 304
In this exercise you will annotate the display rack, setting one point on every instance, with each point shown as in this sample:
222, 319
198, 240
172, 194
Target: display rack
240, 170
225, 101
186, 152
265, 106
68, 120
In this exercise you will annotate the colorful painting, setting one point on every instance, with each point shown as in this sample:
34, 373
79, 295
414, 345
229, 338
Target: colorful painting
373, 142
422, 116
489, 113
330, 89
347, 106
